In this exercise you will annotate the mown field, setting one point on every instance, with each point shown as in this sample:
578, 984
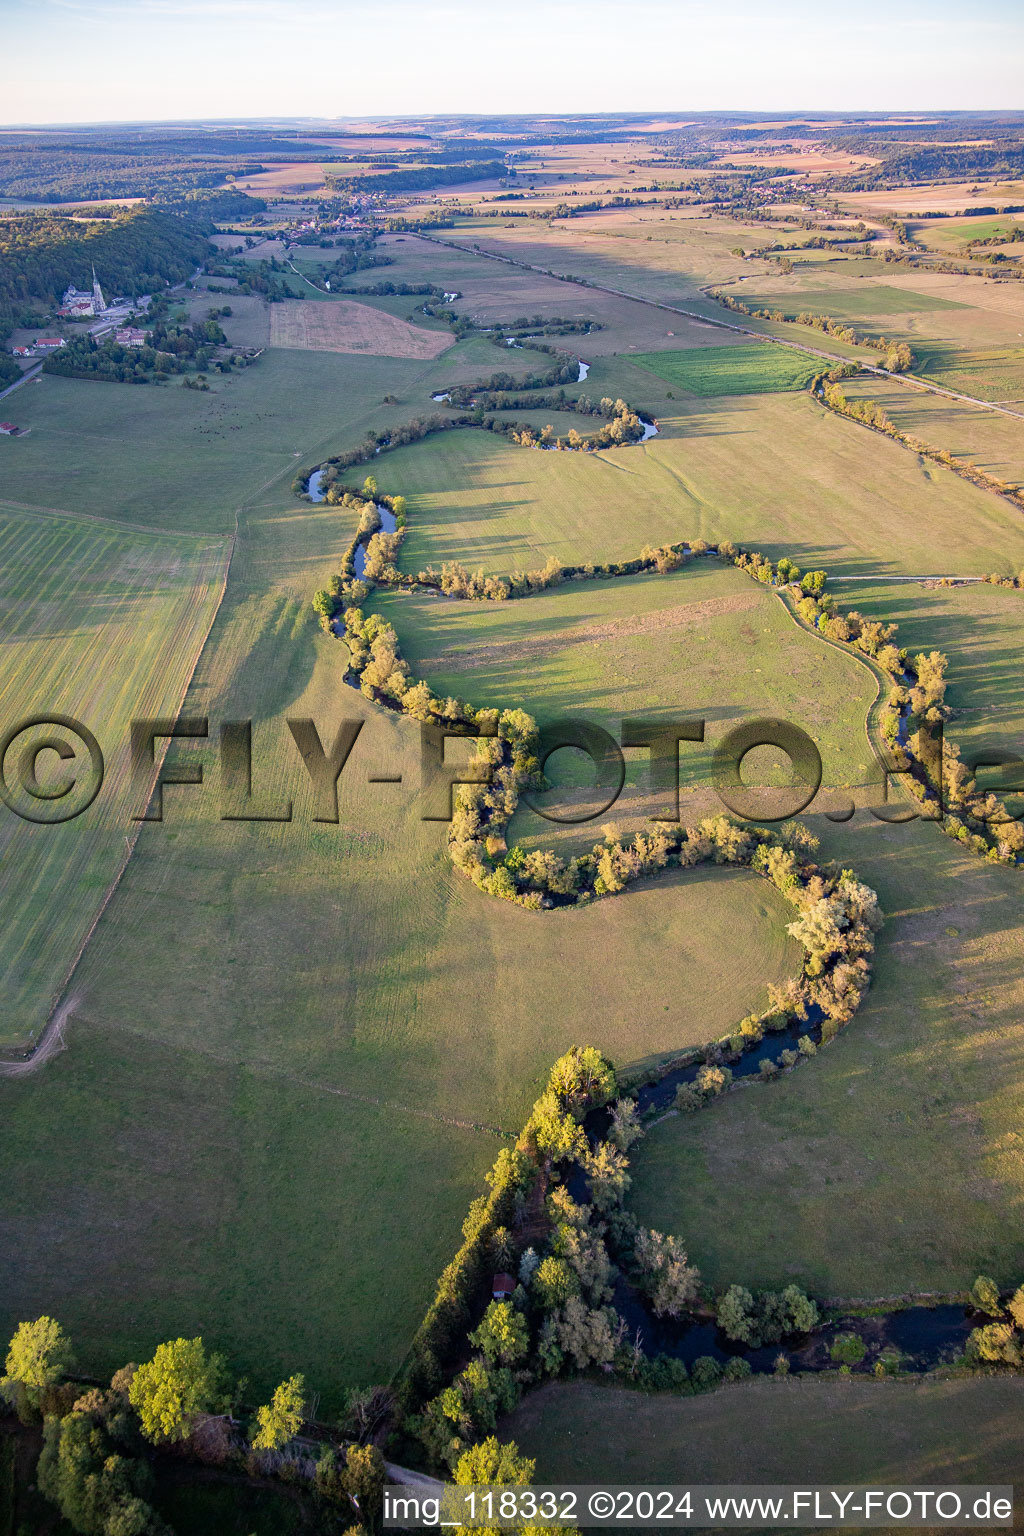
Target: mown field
104, 625
797, 1431
737, 370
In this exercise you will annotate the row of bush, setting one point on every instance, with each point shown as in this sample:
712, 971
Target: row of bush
898, 355
870, 414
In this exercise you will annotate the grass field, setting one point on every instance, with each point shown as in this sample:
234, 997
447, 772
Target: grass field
992, 441
774, 472
255, 976
701, 641
796, 1431
297, 1043
173, 458
734, 370
103, 625
342, 325
891, 1165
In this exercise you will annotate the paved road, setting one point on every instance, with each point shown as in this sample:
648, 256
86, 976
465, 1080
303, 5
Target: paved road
30, 373
909, 380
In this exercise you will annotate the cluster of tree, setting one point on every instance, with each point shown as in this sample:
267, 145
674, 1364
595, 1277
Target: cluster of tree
768, 1319
357, 256
263, 277
96, 1464
486, 393
1000, 1342
387, 287
173, 349
550, 325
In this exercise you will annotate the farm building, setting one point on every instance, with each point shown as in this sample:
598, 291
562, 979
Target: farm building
502, 1287
130, 336
8, 428
49, 343
22, 351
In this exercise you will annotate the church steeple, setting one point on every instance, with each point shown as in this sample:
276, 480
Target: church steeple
97, 293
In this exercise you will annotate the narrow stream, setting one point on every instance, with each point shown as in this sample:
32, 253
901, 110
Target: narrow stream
924, 1336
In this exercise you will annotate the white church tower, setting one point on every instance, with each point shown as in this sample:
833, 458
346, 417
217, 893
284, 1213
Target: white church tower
98, 302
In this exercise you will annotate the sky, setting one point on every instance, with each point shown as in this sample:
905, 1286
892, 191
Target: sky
150, 60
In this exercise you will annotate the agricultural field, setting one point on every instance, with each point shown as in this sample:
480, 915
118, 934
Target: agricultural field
346, 326
760, 369
773, 472
778, 1432
291, 1045
104, 625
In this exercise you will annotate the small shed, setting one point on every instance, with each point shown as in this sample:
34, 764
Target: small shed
502, 1287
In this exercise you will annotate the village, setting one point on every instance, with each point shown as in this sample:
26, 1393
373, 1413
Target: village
90, 304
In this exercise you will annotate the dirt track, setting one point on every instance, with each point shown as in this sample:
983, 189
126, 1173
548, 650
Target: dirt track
51, 1042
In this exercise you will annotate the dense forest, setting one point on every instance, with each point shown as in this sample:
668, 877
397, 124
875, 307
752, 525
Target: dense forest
411, 180
903, 163
135, 251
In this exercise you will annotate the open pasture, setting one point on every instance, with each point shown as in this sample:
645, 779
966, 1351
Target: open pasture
773, 472
342, 325
757, 369
798, 1431
103, 625
167, 457
702, 641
